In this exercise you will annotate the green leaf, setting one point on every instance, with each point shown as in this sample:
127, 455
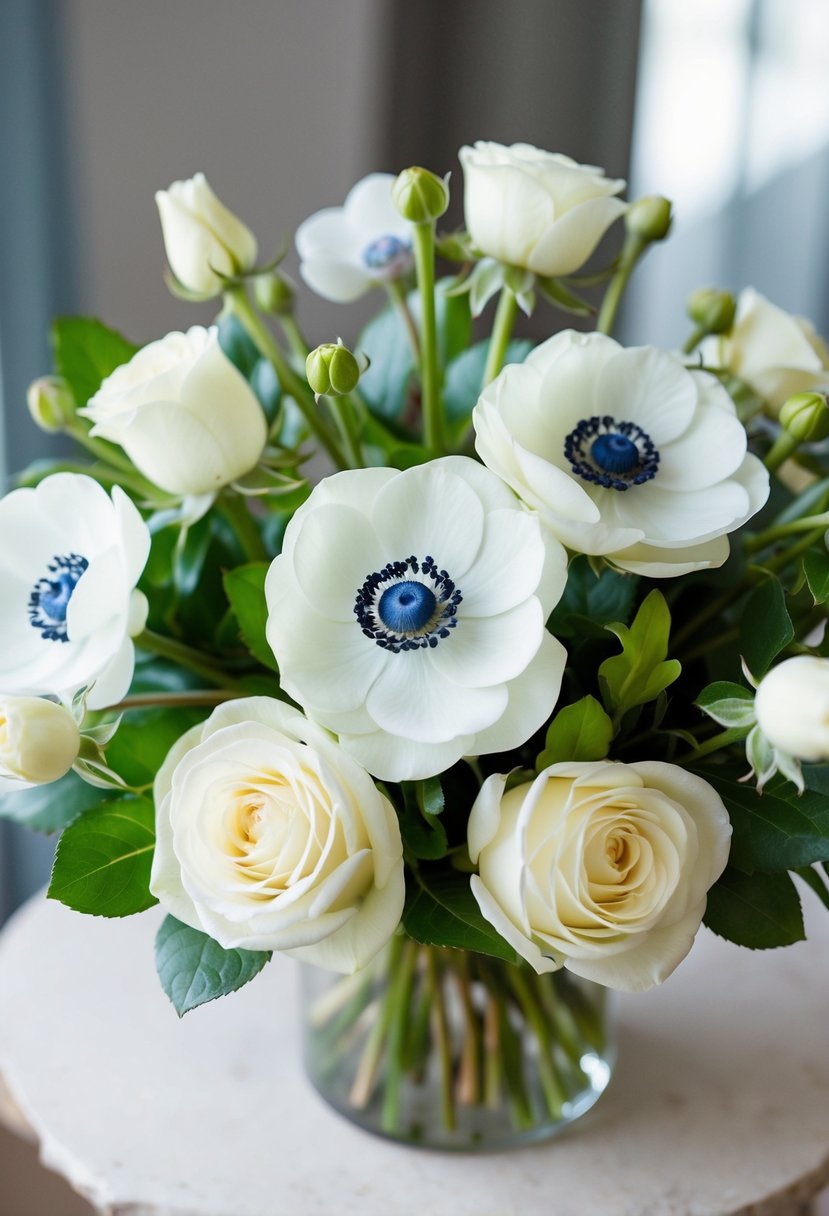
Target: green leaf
424, 836
442, 911
265, 383
590, 602
581, 731
759, 910
144, 738
430, 796
816, 569
245, 588
190, 555
238, 346
50, 808
728, 703
555, 291
102, 865
641, 671
464, 375
773, 831
86, 352
194, 969
766, 626
385, 385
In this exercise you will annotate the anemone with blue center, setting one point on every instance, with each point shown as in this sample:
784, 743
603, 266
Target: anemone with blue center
625, 454
407, 614
346, 251
70, 558
50, 596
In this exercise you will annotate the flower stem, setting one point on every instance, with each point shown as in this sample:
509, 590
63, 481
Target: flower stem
502, 326
175, 700
782, 448
236, 512
551, 1083
443, 1042
807, 523
238, 301
397, 295
693, 340
185, 656
722, 739
294, 336
424, 251
342, 411
633, 249
398, 1019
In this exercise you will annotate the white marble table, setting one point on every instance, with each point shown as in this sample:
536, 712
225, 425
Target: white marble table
720, 1103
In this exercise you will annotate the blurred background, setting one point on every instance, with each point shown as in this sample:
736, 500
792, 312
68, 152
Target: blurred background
284, 104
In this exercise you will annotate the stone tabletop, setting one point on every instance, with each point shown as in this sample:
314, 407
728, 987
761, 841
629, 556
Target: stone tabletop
719, 1104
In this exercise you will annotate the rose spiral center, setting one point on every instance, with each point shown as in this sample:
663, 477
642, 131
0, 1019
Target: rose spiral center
50, 596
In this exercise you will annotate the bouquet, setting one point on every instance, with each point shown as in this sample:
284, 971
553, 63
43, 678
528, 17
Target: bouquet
493, 716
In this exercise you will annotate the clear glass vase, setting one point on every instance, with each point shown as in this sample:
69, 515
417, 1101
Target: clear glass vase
454, 1050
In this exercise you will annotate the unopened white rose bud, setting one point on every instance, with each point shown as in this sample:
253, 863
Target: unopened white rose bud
205, 243
39, 740
50, 402
792, 707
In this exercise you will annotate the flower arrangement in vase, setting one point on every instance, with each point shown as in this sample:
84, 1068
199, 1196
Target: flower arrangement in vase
492, 717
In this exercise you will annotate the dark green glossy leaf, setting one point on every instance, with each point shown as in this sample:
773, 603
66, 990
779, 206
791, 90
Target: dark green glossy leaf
816, 569
238, 345
442, 911
590, 602
50, 808
245, 587
760, 911
424, 836
194, 969
464, 376
144, 738
766, 626
265, 383
102, 865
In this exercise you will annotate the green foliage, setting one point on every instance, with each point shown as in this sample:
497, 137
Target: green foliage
102, 865
760, 911
766, 626
728, 703
86, 352
424, 836
642, 671
194, 969
244, 354
464, 376
442, 911
49, 808
581, 731
816, 570
773, 832
591, 601
245, 588
144, 738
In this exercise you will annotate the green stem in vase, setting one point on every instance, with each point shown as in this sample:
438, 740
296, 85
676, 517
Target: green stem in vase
239, 303
440, 1023
551, 1083
512, 1065
424, 252
400, 994
365, 1077
493, 1060
502, 327
235, 509
469, 1072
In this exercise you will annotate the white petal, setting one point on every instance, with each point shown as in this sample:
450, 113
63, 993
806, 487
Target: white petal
113, 683
430, 511
395, 758
334, 279
412, 698
709, 451
483, 651
569, 242
650, 961
506, 210
684, 518
485, 816
651, 388
324, 235
532, 698
334, 552
508, 567
370, 210
135, 536
654, 562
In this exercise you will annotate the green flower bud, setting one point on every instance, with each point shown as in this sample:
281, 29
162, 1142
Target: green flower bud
712, 311
806, 417
274, 293
332, 370
50, 403
420, 196
649, 218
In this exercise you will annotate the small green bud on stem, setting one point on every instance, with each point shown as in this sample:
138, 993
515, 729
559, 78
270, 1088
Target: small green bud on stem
51, 403
420, 196
712, 311
649, 218
332, 370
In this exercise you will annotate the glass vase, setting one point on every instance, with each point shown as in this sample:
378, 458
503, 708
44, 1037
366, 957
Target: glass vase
455, 1050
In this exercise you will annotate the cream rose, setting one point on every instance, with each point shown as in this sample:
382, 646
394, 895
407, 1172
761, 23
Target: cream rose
775, 353
792, 707
201, 237
187, 419
602, 868
539, 210
269, 837
39, 742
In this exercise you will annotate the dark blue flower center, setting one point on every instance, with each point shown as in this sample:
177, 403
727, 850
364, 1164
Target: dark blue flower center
611, 454
408, 605
388, 254
50, 596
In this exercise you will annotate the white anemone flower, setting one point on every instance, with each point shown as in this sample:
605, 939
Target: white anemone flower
70, 557
407, 614
346, 250
624, 453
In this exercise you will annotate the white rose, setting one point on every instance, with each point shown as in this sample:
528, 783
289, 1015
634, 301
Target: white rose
622, 452
202, 237
269, 837
535, 209
39, 742
775, 353
346, 250
70, 557
185, 416
406, 612
602, 868
792, 707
